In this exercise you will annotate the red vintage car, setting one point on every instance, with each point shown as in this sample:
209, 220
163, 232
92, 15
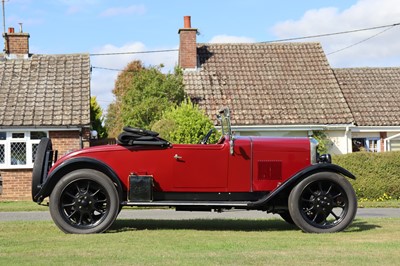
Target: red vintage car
286, 176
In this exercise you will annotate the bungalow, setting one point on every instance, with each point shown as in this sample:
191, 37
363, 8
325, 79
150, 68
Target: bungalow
273, 89
41, 96
286, 89
373, 95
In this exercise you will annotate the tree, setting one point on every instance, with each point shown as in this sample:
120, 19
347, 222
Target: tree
113, 121
96, 118
185, 123
142, 94
324, 142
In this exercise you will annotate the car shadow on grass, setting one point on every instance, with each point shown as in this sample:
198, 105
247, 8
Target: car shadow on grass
361, 226
201, 224
123, 225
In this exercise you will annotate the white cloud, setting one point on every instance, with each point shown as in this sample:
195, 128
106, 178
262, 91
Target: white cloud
77, 6
102, 81
118, 11
231, 39
381, 50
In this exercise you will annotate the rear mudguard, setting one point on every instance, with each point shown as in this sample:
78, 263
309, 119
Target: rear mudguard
292, 181
71, 165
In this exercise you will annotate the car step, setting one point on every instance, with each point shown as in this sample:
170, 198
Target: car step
187, 203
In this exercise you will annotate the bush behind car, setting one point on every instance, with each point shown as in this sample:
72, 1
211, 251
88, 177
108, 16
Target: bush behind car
378, 174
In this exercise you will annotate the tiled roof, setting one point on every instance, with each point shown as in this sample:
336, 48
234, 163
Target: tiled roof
45, 90
373, 94
268, 84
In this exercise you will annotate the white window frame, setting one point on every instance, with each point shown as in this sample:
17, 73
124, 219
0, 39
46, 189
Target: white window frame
28, 142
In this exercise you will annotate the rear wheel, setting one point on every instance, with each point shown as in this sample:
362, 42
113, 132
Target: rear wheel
323, 203
83, 202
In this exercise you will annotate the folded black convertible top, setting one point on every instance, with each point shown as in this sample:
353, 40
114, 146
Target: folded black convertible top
141, 137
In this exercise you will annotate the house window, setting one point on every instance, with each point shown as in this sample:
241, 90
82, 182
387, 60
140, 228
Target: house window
2, 154
18, 149
366, 144
2, 148
373, 144
18, 153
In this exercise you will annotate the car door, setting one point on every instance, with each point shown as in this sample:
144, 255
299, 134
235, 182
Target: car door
200, 168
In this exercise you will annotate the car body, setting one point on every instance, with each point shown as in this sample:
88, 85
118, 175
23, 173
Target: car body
88, 187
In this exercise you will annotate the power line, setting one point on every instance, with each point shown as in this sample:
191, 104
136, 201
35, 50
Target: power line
332, 34
141, 52
364, 40
279, 40
106, 68
386, 28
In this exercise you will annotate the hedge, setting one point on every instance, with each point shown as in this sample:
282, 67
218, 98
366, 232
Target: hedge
378, 174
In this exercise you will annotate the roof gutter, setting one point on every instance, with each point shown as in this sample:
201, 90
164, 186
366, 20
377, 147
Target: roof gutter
52, 128
376, 129
293, 127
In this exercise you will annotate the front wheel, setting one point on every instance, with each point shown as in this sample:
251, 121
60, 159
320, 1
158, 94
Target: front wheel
83, 202
323, 203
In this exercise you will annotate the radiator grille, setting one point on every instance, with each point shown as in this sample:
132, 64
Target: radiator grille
270, 170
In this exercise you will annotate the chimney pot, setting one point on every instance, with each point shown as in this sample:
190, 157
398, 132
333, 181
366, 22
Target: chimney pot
187, 24
10, 30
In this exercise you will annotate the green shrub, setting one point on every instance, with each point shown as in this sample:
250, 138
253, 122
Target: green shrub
185, 123
378, 174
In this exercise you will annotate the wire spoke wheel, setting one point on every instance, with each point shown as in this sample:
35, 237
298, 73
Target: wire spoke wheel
84, 201
322, 203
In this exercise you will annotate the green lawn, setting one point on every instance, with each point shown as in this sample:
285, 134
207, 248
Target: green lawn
16, 206
201, 242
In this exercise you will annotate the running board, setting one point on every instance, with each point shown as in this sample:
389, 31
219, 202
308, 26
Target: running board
188, 203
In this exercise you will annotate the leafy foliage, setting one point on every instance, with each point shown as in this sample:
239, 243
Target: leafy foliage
185, 123
324, 142
142, 94
378, 174
96, 118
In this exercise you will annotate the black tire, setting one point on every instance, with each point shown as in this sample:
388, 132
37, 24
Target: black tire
323, 203
39, 166
286, 217
84, 202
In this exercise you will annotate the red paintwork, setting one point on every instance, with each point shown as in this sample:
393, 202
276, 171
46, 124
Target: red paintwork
207, 168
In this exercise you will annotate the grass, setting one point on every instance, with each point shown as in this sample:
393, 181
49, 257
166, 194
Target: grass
201, 242
11, 206
379, 204
19, 206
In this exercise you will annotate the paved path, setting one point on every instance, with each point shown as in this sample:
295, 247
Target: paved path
165, 214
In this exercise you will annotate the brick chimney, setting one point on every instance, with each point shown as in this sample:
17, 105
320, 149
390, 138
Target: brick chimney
16, 44
187, 45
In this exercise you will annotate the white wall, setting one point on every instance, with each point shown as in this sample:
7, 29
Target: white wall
341, 141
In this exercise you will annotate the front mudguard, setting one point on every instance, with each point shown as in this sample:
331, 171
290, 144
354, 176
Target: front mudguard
74, 164
295, 179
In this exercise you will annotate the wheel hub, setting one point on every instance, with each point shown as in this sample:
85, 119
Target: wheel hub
323, 203
84, 202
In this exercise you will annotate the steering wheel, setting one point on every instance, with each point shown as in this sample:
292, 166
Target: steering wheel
207, 136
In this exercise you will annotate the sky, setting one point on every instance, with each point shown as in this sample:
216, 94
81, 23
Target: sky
101, 26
